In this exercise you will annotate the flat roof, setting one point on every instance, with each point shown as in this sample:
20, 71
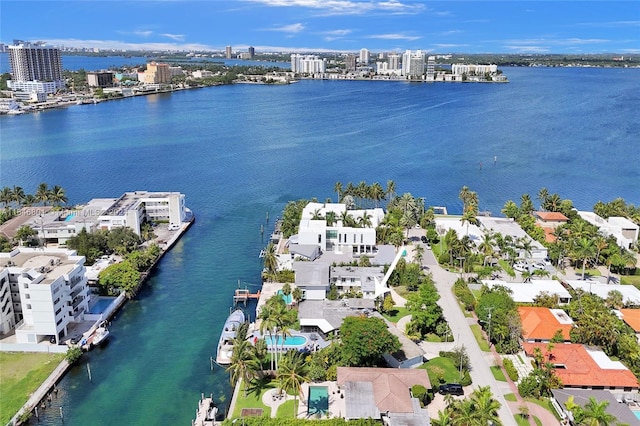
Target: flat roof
630, 294
52, 263
311, 273
526, 292
329, 314
621, 412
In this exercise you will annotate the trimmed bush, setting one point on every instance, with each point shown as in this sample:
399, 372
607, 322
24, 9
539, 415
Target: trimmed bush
419, 392
511, 369
466, 379
462, 292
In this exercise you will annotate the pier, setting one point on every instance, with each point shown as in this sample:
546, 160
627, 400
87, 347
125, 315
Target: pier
243, 295
206, 412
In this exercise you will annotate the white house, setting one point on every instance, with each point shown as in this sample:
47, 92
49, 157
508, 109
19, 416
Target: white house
357, 279
507, 226
314, 230
527, 292
630, 294
624, 231
47, 289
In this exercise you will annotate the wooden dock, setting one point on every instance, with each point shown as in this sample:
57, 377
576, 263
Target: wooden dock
243, 295
206, 412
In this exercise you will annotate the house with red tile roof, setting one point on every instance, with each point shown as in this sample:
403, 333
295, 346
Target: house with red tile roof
632, 318
550, 219
541, 324
383, 392
579, 366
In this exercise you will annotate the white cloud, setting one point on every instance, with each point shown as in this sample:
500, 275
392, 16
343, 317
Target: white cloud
395, 36
348, 7
609, 24
123, 45
337, 32
176, 37
528, 49
292, 28
143, 33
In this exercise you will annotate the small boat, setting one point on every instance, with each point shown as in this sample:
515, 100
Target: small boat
225, 345
96, 338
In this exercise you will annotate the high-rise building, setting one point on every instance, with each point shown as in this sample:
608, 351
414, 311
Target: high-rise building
365, 56
35, 67
413, 63
307, 64
431, 67
252, 52
350, 62
157, 73
100, 79
394, 61
228, 52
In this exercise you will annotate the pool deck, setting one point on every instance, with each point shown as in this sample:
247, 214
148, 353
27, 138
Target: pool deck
336, 403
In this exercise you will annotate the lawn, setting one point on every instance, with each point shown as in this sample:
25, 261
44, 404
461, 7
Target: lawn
285, 411
21, 374
441, 368
253, 398
396, 313
630, 280
477, 332
510, 397
590, 272
498, 373
544, 403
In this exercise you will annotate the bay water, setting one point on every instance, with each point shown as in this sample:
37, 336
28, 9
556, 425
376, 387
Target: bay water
239, 152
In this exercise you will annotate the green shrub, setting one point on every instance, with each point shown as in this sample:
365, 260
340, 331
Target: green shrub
73, 354
466, 379
419, 392
511, 369
444, 258
462, 292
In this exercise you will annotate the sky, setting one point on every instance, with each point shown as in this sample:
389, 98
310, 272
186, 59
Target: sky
329, 25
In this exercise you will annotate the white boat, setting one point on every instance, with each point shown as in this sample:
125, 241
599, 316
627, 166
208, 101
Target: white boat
225, 345
96, 338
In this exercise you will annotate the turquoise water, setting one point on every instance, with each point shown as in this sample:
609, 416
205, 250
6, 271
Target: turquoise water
318, 400
240, 152
636, 413
290, 341
101, 304
69, 217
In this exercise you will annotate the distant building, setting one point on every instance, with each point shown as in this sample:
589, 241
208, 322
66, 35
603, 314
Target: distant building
413, 63
157, 73
252, 52
307, 64
624, 231
100, 79
394, 61
473, 69
42, 292
228, 52
350, 62
365, 56
202, 74
431, 68
35, 67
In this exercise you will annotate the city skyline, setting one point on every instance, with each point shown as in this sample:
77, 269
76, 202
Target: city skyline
333, 25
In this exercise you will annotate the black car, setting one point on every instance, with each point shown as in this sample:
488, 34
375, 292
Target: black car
451, 388
423, 239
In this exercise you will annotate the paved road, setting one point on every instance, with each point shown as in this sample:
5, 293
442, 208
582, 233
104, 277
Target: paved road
459, 324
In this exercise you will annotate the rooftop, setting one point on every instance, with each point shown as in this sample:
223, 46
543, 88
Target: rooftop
329, 314
631, 317
621, 412
542, 323
630, 294
51, 263
578, 366
552, 216
527, 292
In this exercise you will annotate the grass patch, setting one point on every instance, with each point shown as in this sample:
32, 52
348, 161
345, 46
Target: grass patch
477, 294
521, 420
510, 397
396, 313
255, 390
285, 411
477, 332
590, 272
537, 420
21, 373
433, 338
441, 370
546, 404
630, 280
402, 291
498, 373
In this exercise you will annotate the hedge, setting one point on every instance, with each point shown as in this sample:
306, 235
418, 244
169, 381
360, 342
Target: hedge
511, 369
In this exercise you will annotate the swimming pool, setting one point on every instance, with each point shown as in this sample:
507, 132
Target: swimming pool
290, 341
101, 305
636, 413
69, 217
288, 299
318, 403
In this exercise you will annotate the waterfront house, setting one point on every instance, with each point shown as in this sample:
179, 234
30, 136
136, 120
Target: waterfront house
622, 229
541, 324
312, 278
630, 294
325, 316
579, 366
527, 292
383, 393
357, 279
507, 226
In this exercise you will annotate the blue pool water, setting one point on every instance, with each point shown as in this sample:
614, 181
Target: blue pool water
290, 341
318, 400
102, 304
288, 299
636, 413
69, 217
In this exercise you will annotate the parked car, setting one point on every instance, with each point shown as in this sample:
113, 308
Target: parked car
521, 266
423, 239
539, 265
451, 388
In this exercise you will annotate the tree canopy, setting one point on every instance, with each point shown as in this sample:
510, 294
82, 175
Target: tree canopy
365, 339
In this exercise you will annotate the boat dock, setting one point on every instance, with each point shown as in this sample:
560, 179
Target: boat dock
243, 295
206, 412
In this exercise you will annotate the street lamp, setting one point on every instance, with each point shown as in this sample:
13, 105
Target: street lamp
461, 259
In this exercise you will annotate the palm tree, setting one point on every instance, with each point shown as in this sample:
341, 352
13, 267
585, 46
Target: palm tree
526, 205
317, 215
270, 261
17, 195
58, 195
377, 193
486, 246
553, 202
584, 249
268, 323
330, 217
391, 190
601, 244
444, 419
338, 189
365, 220
418, 252
292, 373
29, 200
595, 413
6, 196
42, 193
543, 194
464, 196
486, 407
244, 365
297, 294
469, 216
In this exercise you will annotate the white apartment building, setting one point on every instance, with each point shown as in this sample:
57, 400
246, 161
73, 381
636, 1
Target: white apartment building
365, 56
383, 68
307, 64
337, 237
202, 74
135, 208
394, 61
42, 291
431, 67
35, 67
473, 69
624, 231
413, 63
